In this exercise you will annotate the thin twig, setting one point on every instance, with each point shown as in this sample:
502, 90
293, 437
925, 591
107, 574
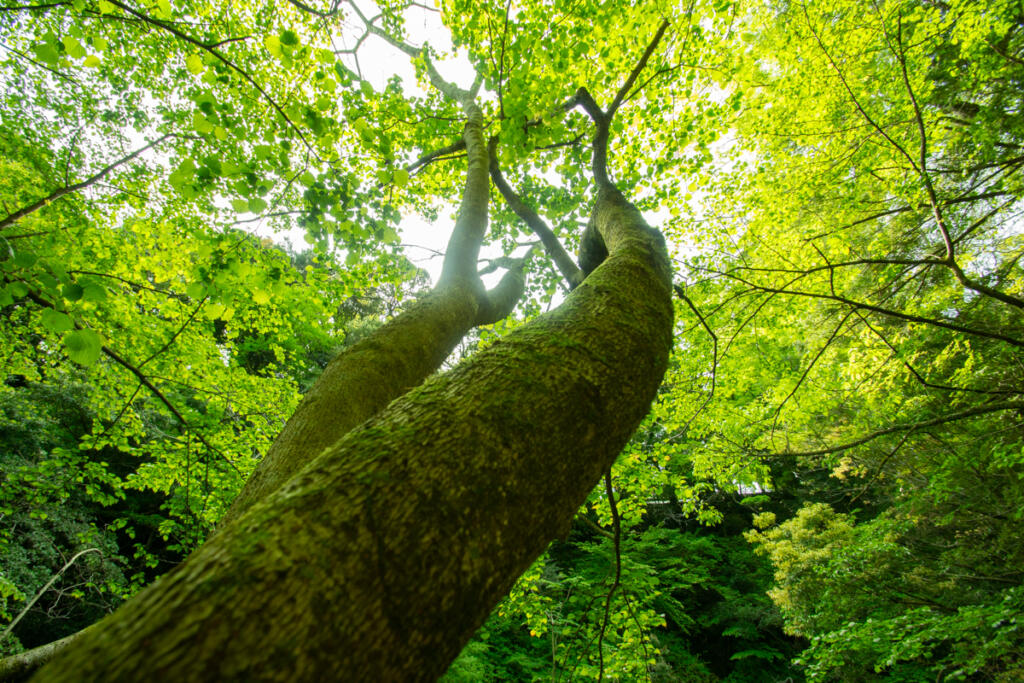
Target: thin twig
617, 530
934, 422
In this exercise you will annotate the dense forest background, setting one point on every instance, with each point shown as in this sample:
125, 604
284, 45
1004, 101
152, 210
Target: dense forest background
830, 484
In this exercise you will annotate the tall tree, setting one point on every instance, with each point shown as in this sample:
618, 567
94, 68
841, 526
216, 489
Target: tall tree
398, 523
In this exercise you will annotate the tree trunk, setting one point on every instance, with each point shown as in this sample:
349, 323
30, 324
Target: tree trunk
379, 559
400, 355
360, 382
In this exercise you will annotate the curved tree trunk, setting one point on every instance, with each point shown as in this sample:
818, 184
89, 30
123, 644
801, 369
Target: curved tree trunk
363, 379
380, 558
359, 382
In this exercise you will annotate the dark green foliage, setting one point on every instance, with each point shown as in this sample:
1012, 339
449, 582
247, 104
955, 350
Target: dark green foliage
58, 500
692, 606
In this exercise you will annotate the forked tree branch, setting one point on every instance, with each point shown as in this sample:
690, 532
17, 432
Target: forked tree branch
144, 380
570, 271
917, 375
681, 294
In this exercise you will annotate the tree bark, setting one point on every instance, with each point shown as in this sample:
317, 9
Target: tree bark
19, 667
402, 353
382, 556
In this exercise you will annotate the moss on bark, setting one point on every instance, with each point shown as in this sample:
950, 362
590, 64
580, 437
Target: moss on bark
380, 558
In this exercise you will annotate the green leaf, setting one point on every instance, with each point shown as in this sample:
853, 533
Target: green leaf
260, 297
196, 290
289, 38
200, 123
214, 310
194, 63
55, 321
83, 346
94, 292
17, 289
47, 53
389, 235
263, 151
240, 205
273, 44
73, 47
257, 205
72, 292
92, 61
401, 177
25, 259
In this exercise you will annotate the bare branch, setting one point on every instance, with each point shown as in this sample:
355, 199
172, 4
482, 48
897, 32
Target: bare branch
39, 594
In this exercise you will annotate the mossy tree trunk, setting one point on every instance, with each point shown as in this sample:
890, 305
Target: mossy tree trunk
403, 352
390, 545
379, 560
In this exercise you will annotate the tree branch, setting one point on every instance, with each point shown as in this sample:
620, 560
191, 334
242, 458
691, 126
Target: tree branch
144, 380
616, 540
807, 370
53, 579
471, 221
878, 309
504, 296
437, 154
624, 90
952, 417
323, 15
554, 248
950, 257
69, 189
681, 293
210, 47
